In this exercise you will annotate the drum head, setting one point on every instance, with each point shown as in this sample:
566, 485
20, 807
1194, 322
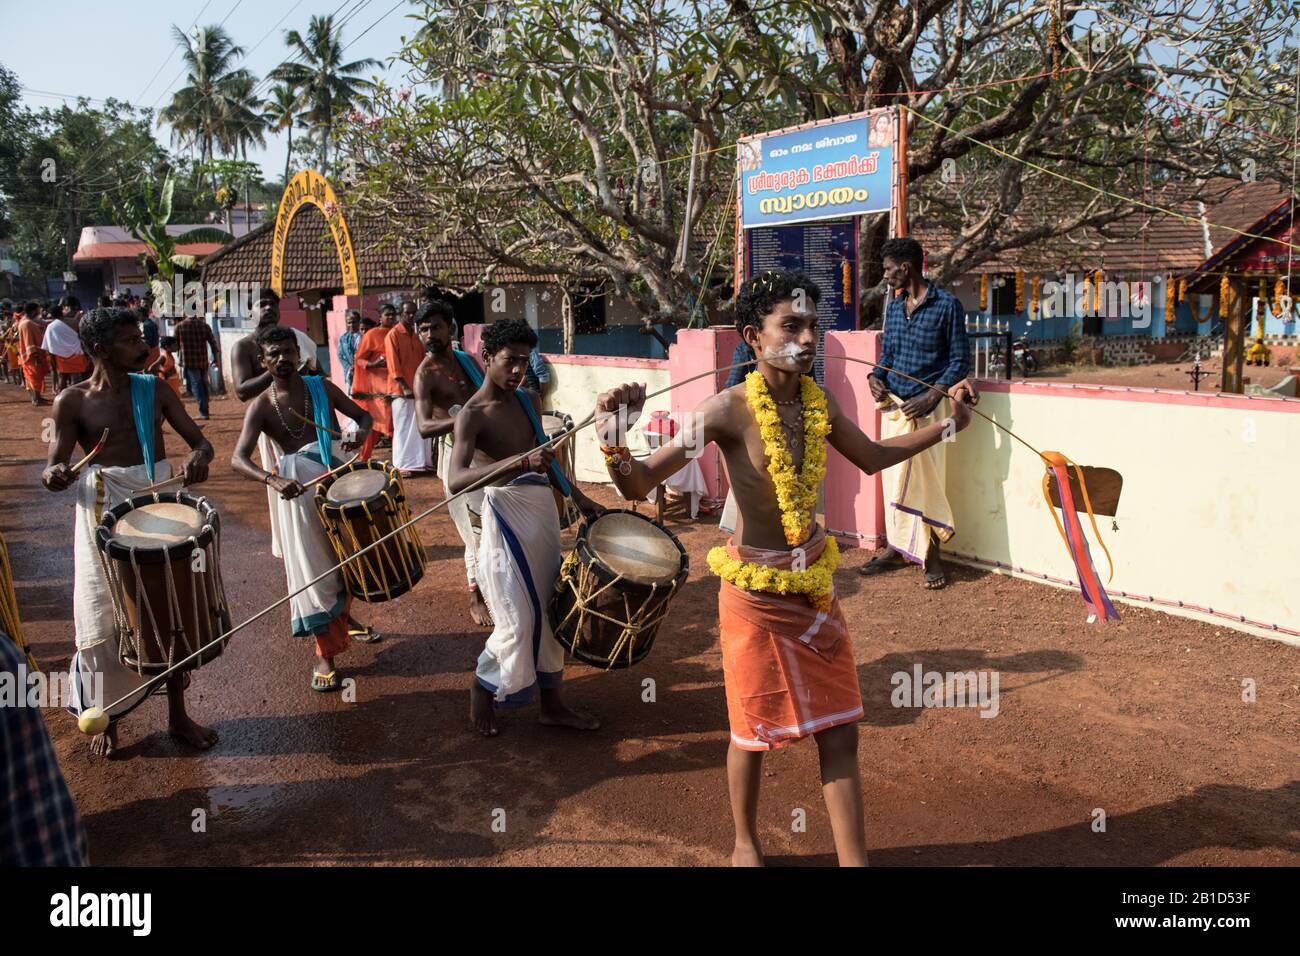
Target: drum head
157, 525
635, 548
358, 485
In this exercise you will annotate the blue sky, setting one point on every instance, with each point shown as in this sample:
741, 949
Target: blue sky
115, 48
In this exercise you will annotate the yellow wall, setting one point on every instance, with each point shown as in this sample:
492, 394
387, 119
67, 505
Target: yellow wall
574, 391
1207, 514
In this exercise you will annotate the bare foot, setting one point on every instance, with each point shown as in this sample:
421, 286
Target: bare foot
478, 609
103, 745
747, 855
555, 713
481, 713
188, 732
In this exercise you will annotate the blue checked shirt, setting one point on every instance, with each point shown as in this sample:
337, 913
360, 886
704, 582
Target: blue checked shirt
931, 345
743, 353
39, 823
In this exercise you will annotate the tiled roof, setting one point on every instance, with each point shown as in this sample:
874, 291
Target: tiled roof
130, 250
1167, 245
311, 262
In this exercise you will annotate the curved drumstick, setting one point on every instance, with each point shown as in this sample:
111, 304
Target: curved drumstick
165, 483
298, 415
99, 446
329, 474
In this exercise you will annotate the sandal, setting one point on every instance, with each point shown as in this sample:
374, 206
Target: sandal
323, 683
935, 580
883, 564
365, 635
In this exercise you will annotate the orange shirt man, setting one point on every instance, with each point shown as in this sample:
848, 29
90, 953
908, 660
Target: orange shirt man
371, 387
35, 361
404, 353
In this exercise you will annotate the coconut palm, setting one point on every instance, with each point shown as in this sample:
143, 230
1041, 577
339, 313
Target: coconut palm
243, 120
328, 87
199, 113
280, 111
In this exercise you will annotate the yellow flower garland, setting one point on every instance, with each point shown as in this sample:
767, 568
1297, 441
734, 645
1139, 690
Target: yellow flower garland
796, 495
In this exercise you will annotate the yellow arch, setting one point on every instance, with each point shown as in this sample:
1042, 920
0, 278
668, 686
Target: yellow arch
311, 188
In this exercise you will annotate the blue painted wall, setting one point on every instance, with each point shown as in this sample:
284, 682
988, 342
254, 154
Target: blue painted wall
626, 341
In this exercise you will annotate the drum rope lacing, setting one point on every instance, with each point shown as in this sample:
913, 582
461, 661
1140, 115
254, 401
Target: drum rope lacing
647, 616
505, 467
131, 638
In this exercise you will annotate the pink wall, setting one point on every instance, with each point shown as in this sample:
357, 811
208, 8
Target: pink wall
854, 505
696, 351
291, 315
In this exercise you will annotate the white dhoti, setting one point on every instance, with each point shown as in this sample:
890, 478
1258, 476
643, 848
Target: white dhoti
99, 676
321, 610
269, 452
916, 497
518, 564
410, 450
461, 508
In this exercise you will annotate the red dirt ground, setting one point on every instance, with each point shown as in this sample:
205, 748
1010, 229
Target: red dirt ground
1144, 720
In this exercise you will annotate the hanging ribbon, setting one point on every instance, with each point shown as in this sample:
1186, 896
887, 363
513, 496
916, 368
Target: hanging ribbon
1094, 593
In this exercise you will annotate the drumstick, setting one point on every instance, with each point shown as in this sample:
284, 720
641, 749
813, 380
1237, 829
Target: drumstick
295, 413
505, 467
329, 474
99, 446
158, 486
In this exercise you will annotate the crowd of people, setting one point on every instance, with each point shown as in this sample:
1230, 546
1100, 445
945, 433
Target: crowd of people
788, 665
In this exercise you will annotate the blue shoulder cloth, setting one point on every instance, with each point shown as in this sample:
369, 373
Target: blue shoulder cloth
142, 399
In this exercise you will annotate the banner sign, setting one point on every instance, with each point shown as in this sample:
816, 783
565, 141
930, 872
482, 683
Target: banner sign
830, 170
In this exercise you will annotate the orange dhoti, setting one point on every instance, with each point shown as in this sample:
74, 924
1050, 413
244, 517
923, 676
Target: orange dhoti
787, 667
72, 365
34, 372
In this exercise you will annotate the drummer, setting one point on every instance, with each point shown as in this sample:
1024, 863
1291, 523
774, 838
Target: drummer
285, 412
132, 459
250, 379
444, 382
787, 655
518, 557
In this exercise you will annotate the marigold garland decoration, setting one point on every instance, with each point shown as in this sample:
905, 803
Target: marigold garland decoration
815, 582
1182, 289
1033, 307
1279, 291
796, 496
1170, 304
984, 292
1096, 292
1020, 290
1225, 295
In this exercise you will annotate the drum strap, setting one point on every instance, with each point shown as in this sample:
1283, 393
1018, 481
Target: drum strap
323, 415
142, 397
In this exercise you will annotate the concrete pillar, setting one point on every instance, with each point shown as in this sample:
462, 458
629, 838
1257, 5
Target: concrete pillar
696, 351
853, 504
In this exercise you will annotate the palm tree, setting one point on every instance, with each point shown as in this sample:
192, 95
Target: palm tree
280, 111
199, 112
243, 122
329, 87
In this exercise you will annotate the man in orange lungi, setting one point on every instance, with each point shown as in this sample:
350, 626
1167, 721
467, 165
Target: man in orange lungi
787, 656
63, 343
35, 361
371, 382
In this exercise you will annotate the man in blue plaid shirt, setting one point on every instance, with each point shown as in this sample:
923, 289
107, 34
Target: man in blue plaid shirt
925, 338
39, 823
